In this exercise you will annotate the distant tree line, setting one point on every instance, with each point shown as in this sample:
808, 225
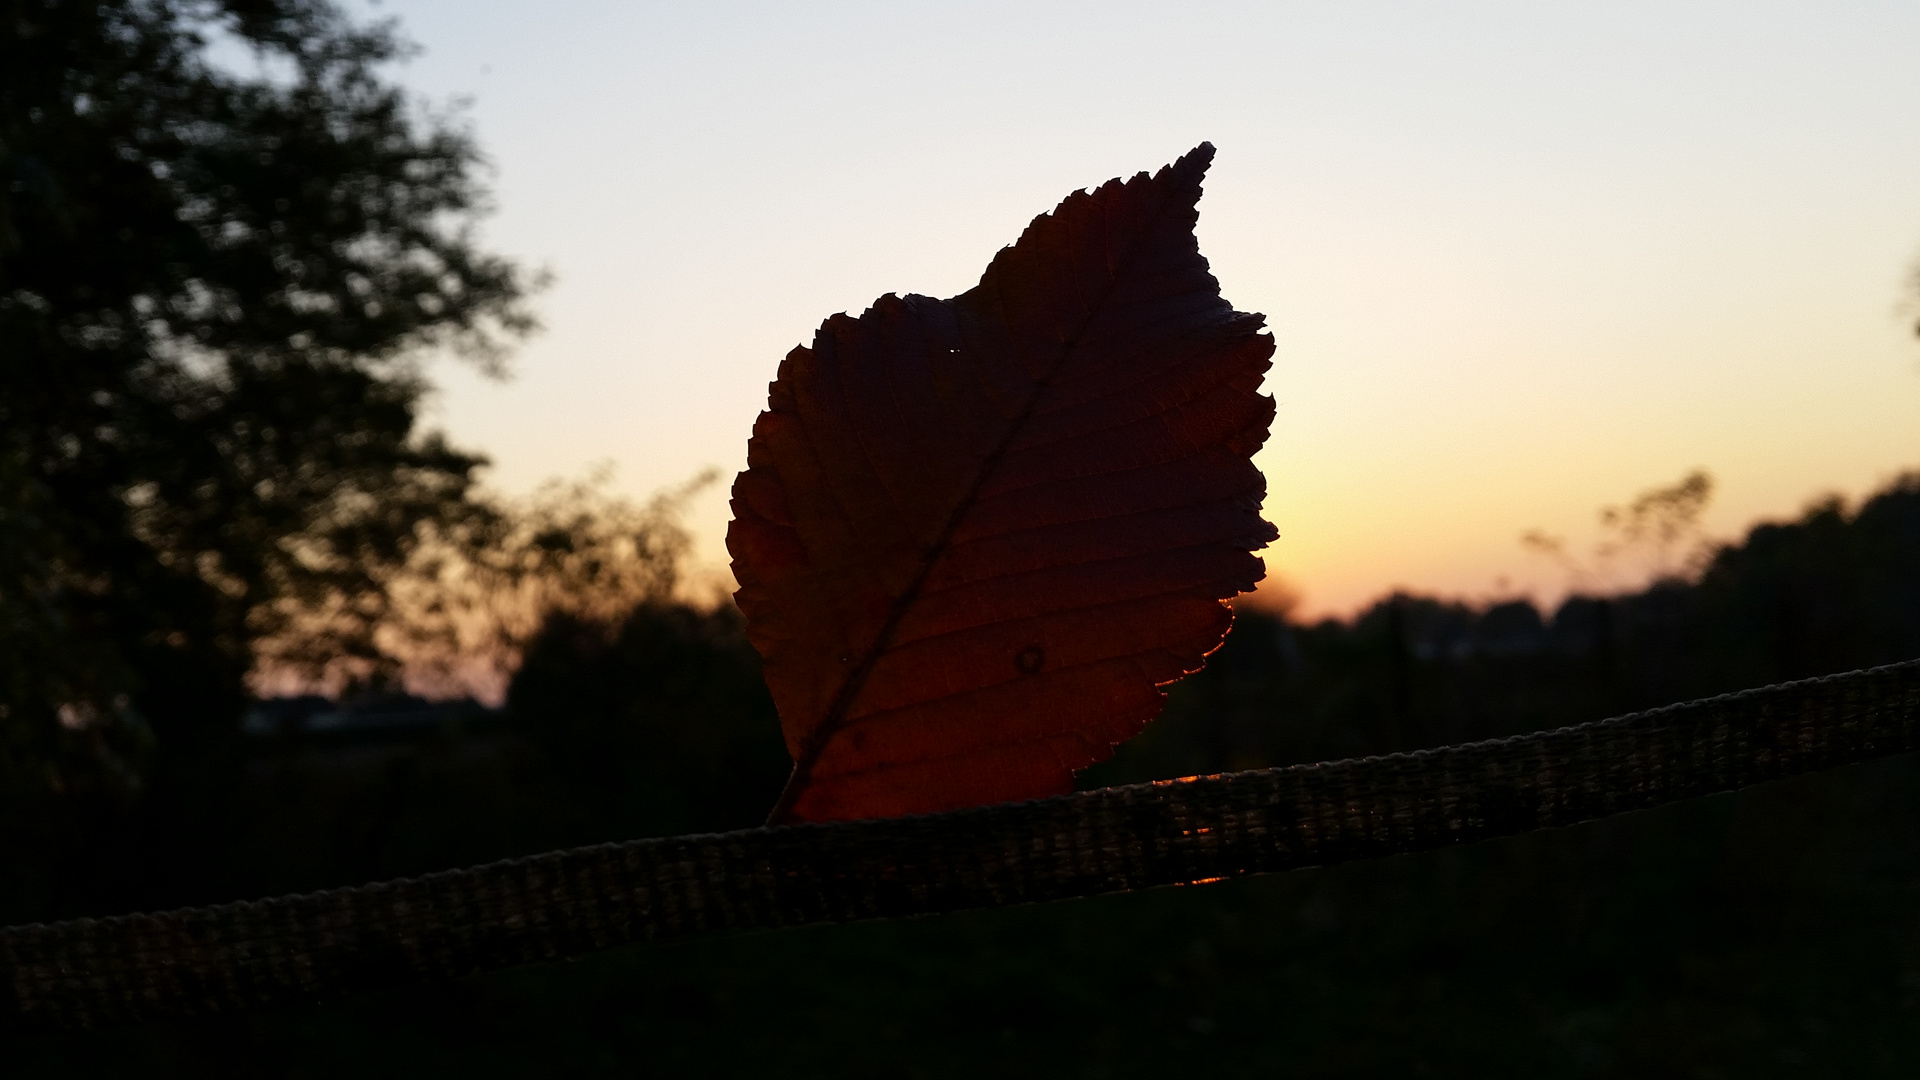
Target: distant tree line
1834, 590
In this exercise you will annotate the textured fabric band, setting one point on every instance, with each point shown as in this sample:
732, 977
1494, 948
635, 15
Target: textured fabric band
130, 968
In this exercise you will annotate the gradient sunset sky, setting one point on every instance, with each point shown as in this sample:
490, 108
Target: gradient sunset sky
1521, 260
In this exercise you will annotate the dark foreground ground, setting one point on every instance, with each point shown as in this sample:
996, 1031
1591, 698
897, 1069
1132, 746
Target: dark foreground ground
1771, 933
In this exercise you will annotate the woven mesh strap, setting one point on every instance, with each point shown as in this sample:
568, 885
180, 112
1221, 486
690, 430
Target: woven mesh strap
180, 963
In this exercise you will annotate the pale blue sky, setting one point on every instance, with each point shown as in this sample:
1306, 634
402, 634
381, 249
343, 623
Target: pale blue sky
1521, 259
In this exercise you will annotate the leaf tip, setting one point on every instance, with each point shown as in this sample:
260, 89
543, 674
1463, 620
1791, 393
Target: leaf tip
1195, 161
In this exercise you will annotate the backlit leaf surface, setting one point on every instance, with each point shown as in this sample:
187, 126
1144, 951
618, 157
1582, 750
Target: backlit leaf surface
976, 536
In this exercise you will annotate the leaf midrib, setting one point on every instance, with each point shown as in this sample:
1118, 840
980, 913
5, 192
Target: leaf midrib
835, 719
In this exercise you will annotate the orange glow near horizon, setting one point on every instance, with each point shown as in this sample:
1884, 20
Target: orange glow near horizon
1520, 263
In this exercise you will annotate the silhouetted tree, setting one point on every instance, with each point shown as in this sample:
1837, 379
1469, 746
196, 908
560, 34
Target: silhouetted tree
213, 286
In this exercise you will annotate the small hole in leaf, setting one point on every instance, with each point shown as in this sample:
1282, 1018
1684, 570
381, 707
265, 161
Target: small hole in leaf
1030, 659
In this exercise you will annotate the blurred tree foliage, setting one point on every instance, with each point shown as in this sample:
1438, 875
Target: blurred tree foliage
457, 612
214, 285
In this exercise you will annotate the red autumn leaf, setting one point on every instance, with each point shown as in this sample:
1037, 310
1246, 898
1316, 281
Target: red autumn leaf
976, 536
